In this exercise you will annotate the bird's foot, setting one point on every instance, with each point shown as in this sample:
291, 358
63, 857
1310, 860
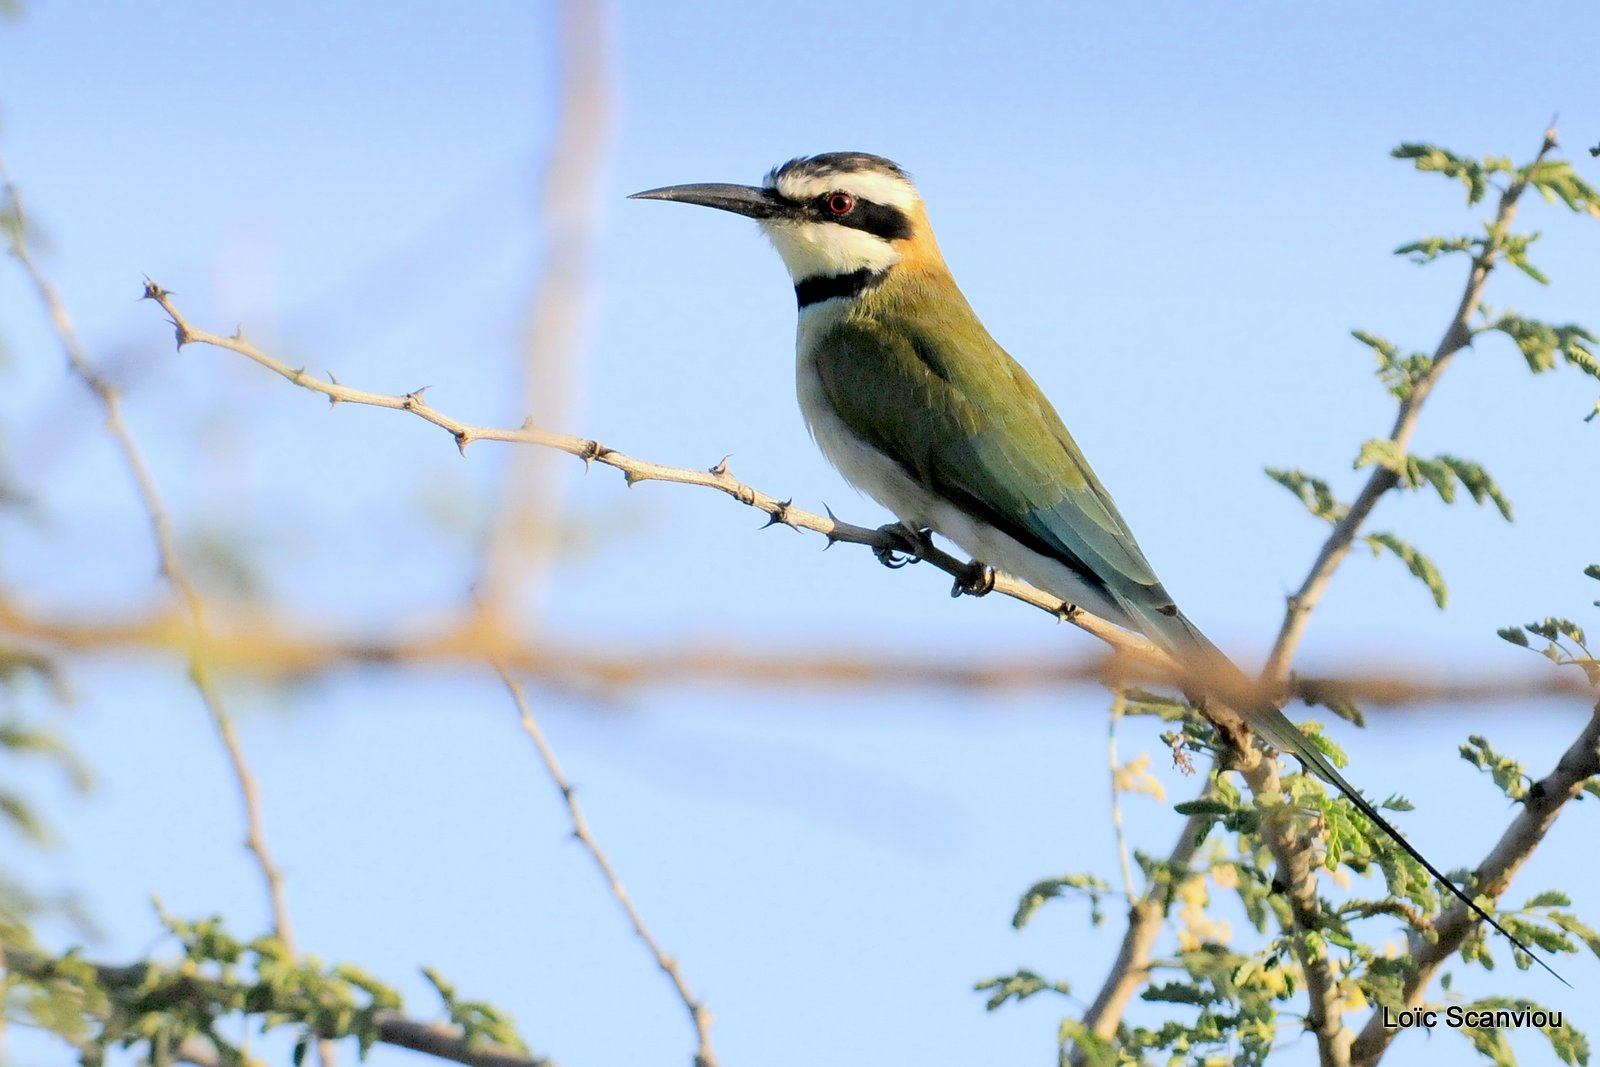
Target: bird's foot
909, 545
976, 580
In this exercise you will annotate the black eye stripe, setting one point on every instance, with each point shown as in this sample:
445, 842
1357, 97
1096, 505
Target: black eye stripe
880, 220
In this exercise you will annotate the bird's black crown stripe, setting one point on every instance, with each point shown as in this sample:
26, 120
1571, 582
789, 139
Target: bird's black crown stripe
827, 286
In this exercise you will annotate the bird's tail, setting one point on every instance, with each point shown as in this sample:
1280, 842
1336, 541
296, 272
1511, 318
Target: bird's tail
1195, 652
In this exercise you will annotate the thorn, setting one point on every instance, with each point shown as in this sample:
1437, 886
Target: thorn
722, 465
832, 538
1068, 612
332, 400
238, 332
527, 425
633, 478
591, 451
779, 514
414, 397
152, 291
463, 439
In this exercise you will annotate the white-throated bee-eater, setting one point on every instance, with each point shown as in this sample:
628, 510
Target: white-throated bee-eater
917, 406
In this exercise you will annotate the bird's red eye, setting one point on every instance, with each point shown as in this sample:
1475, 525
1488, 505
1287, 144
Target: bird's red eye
841, 203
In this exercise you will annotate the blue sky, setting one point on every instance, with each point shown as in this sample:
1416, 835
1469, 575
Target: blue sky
1173, 216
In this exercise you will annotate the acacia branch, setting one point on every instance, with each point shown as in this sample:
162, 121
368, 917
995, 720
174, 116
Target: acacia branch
1146, 917
636, 470
699, 1014
1545, 799
1457, 335
167, 551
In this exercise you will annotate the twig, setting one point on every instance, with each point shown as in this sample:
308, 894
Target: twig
699, 1015
1119, 704
1580, 762
171, 567
1457, 335
1106, 1013
167, 553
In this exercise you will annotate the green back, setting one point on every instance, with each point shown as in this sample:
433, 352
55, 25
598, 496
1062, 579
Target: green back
913, 372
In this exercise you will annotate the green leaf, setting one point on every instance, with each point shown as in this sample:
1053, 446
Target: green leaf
1557, 180
1509, 775
1469, 172
1478, 482
1384, 453
1427, 249
1515, 248
1050, 888
1313, 492
1203, 807
20, 814
1399, 373
1553, 628
1542, 345
1515, 635
1571, 923
1567, 1042
1017, 987
1420, 566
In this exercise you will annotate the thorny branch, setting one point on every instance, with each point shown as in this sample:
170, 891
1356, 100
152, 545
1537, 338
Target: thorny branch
636, 470
167, 551
1131, 969
1544, 802
520, 547
699, 1014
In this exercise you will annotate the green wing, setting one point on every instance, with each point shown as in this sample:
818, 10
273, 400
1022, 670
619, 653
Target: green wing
978, 432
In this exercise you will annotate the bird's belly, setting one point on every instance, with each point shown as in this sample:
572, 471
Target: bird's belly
863, 466
885, 481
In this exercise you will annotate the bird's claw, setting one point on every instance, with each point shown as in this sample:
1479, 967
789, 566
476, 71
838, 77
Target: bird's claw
909, 547
976, 580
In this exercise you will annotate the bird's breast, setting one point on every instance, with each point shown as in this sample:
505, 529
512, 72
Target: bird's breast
862, 465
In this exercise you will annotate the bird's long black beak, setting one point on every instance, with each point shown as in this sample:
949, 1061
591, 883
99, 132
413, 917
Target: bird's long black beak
748, 200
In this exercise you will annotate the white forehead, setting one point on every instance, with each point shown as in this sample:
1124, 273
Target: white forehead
873, 185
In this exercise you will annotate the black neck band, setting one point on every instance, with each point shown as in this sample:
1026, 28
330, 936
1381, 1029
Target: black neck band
827, 286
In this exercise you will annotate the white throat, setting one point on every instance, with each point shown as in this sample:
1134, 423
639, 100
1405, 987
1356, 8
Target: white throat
823, 249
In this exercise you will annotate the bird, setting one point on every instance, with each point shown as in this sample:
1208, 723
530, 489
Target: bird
916, 405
